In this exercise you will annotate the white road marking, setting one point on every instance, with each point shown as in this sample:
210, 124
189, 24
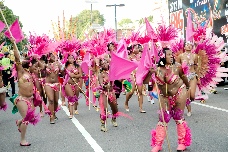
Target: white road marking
84, 133
212, 107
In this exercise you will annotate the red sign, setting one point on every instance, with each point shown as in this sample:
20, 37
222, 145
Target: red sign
176, 19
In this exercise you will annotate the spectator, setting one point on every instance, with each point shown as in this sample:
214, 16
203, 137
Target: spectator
7, 73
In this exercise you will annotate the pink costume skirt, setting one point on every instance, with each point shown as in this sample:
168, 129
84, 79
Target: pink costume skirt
30, 117
54, 86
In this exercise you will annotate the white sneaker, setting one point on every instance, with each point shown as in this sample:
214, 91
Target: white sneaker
152, 101
189, 114
148, 98
225, 88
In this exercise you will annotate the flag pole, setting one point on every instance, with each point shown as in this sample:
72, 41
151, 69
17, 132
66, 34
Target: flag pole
89, 83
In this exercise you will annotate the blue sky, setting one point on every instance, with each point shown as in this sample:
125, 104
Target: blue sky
36, 15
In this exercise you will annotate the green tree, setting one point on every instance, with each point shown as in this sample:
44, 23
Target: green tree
142, 20
83, 21
124, 23
10, 18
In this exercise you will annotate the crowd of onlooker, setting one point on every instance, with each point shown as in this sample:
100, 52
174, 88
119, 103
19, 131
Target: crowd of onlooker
7, 62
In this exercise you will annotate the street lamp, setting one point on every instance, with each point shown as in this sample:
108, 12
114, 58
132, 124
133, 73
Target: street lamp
119, 5
91, 10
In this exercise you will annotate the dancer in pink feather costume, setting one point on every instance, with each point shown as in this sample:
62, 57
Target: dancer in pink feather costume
191, 60
52, 86
173, 85
72, 83
93, 81
134, 56
106, 93
24, 100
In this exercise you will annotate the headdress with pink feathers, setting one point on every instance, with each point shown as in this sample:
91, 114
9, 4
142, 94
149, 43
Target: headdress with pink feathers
133, 38
38, 45
166, 35
69, 48
97, 45
200, 33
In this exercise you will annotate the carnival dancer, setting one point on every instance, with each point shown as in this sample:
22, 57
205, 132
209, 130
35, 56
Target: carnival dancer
38, 82
79, 61
191, 60
71, 85
3, 104
42, 75
173, 86
23, 101
93, 83
134, 56
107, 95
85, 74
118, 84
144, 85
52, 86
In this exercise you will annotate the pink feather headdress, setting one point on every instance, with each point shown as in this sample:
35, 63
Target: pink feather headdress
69, 48
143, 39
166, 34
200, 33
133, 38
39, 45
97, 45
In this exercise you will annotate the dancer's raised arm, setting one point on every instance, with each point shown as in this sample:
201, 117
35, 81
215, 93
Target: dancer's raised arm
19, 67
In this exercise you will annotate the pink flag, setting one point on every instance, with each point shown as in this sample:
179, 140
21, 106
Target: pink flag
16, 32
150, 30
86, 63
121, 46
154, 51
122, 49
120, 68
144, 65
2, 26
189, 29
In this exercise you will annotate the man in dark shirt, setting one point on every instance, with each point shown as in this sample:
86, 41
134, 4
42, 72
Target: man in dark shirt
7, 73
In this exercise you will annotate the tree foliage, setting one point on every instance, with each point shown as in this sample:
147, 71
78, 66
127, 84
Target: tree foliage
142, 20
125, 22
10, 18
83, 21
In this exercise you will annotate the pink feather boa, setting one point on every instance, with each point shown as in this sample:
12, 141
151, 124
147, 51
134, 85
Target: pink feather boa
188, 135
37, 98
31, 117
153, 135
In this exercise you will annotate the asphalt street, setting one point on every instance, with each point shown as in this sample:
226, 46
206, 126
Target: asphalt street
82, 134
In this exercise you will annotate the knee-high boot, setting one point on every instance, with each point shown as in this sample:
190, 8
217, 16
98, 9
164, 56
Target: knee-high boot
184, 135
158, 137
